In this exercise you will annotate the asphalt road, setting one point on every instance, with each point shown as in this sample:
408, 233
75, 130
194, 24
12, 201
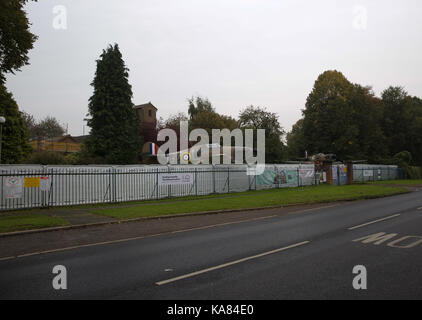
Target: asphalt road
308, 255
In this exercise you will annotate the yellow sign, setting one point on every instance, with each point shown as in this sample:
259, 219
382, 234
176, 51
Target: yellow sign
32, 182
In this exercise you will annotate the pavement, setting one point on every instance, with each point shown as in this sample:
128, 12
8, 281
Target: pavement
304, 252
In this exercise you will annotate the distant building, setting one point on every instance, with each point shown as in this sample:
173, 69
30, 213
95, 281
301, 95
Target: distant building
147, 114
64, 144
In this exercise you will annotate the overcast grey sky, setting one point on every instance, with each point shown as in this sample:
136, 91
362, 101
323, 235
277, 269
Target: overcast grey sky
235, 52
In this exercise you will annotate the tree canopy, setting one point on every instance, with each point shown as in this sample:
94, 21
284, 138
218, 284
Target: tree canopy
49, 127
198, 105
259, 118
350, 121
15, 37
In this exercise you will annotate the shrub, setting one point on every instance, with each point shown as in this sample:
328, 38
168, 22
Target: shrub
46, 157
413, 172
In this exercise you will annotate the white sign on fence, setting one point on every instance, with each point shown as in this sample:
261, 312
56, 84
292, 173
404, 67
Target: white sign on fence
306, 173
175, 178
13, 187
45, 183
368, 173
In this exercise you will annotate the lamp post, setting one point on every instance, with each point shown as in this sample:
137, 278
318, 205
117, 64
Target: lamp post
2, 122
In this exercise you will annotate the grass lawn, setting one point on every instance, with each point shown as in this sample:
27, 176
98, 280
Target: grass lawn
267, 198
398, 182
19, 222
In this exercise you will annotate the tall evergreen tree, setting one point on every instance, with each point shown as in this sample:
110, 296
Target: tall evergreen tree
14, 138
114, 123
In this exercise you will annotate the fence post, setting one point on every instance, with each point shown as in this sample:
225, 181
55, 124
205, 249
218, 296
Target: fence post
1, 192
169, 186
338, 176
156, 185
109, 185
196, 182
254, 177
228, 179
50, 189
278, 177
114, 185
213, 178
249, 179
298, 177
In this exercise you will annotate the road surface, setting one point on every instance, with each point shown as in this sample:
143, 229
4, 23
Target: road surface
307, 255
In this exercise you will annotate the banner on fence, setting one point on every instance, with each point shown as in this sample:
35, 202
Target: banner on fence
306, 173
368, 173
268, 177
277, 177
13, 188
175, 178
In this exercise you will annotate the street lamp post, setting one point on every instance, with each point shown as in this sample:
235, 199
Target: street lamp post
2, 122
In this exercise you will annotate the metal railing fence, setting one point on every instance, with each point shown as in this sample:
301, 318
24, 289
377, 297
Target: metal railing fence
372, 173
49, 186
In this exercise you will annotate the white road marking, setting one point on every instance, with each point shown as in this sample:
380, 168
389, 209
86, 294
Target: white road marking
314, 209
372, 222
189, 275
6, 258
420, 208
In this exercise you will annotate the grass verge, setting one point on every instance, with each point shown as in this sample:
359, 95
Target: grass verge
398, 182
18, 222
276, 197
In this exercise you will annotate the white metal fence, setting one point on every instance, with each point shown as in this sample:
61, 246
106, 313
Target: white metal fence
35, 186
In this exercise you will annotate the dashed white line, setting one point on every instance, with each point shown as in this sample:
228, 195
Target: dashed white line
189, 275
375, 221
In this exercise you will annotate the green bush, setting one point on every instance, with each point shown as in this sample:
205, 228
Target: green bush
403, 158
46, 157
413, 172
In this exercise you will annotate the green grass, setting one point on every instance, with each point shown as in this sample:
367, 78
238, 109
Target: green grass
275, 197
19, 222
398, 182
163, 200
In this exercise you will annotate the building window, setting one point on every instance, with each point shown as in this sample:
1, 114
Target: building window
150, 113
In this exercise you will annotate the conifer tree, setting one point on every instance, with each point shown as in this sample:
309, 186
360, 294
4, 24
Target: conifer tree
114, 123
